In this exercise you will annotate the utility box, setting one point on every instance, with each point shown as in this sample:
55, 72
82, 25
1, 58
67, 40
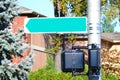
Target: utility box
94, 59
72, 60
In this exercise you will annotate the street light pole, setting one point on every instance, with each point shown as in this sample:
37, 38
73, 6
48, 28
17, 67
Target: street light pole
94, 40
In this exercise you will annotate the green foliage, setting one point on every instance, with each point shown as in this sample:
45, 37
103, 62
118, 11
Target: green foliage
43, 74
50, 64
49, 73
79, 7
11, 45
112, 76
8, 10
74, 7
109, 76
109, 12
72, 38
103, 74
55, 42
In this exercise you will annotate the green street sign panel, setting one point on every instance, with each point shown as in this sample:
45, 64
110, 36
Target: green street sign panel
56, 25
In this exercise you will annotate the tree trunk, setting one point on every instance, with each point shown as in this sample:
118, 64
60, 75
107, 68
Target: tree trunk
56, 11
58, 61
57, 58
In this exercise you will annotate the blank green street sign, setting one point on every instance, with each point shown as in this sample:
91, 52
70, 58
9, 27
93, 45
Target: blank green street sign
56, 25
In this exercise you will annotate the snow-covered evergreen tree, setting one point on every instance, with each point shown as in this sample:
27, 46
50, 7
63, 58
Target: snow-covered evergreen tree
11, 44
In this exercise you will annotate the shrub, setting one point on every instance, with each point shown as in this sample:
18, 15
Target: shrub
49, 73
43, 74
12, 45
112, 76
50, 64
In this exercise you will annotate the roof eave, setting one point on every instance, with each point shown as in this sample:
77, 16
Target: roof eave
116, 41
32, 12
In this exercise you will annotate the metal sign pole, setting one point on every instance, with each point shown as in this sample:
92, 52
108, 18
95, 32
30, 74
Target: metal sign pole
94, 40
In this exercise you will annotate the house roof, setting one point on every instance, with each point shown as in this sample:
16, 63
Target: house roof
111, 37
79, 36
25, 11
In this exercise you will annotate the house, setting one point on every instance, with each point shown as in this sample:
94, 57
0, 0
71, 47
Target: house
36, 41
111, 41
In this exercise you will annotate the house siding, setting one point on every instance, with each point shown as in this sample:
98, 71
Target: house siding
40, 57
18, 22
115, 46
110, 46
107, 45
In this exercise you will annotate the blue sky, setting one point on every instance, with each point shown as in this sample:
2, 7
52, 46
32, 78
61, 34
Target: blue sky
44, 7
